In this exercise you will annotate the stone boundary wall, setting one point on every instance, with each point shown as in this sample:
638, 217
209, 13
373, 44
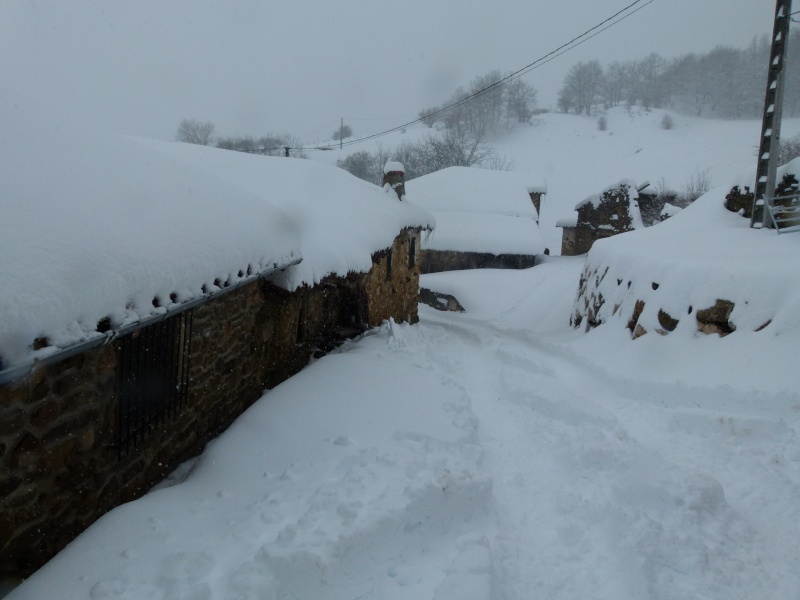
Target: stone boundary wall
590, 305
577, 240
436, 261
60, 465
604, 216
394, 294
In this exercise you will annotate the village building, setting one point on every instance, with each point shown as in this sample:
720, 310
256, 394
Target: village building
485, 218
151, 292
615, 210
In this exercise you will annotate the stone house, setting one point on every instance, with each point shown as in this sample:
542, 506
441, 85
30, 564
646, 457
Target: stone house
613, 211
102, 405
484, 218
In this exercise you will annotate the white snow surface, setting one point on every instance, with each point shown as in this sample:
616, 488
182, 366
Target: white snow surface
466, 189
98, 225
686, 263
496, 453
479, 210
595, 199
500, 453
670, 210
393, 166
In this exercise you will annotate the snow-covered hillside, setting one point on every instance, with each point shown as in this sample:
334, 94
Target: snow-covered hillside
578, 160
492, 454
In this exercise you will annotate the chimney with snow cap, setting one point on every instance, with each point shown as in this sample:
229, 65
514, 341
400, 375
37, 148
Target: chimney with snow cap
394, 175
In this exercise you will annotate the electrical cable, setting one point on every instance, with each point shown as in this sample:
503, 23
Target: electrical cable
573, 43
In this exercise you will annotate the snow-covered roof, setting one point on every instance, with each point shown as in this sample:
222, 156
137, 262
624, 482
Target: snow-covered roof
96, 225
494, 234
569, 221
393, 167
536, 184
466, 189
595, 199
479, 210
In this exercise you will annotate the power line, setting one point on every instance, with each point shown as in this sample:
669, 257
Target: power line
573, 43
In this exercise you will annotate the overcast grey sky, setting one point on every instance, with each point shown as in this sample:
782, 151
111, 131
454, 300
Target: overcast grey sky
252, 66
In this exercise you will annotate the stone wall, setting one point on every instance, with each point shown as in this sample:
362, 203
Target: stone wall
591, 310
436, 261
536, 198
740, 201
393, 291
62, 465
600, 217
56, 429
785, 203
576, 240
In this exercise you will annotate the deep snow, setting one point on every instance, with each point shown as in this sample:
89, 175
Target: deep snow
497, 453
97, 225
491, 454
479, 210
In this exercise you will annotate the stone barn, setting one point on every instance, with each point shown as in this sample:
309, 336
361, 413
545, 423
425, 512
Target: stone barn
152, 292
613, 211
484, 219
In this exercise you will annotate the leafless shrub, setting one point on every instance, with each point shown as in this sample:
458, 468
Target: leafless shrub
433, 153
788, 149
193, 131
697, 185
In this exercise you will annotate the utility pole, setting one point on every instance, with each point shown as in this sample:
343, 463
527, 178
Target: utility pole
768, 149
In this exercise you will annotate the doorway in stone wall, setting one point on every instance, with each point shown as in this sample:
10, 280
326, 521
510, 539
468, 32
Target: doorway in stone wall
152, 378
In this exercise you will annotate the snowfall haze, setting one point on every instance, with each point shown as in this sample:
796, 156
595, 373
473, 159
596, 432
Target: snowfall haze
251, 67
499, 453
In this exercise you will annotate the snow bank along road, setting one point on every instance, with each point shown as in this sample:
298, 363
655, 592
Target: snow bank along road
468, 457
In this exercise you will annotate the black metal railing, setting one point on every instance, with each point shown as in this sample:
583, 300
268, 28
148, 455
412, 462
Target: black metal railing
152, 378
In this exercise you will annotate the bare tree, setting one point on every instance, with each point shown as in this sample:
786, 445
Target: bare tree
361, 164
699, 183
649, 73
788, 149
484, 109
582, 86
614, 84
433, 153
194, 131
520, 101
429, 116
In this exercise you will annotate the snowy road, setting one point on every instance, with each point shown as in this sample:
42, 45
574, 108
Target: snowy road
608, 489
495, 454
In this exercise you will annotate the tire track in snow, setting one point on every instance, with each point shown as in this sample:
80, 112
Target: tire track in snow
604, 503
